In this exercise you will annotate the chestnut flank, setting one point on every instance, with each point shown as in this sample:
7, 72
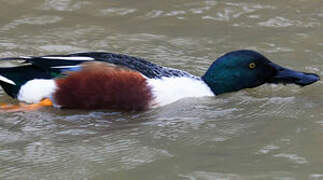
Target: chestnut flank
103, 86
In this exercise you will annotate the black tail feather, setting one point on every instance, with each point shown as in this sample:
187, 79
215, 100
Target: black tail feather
20, 75
10, 89
14, 58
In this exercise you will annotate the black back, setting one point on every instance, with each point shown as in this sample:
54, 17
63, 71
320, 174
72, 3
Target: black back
147, 68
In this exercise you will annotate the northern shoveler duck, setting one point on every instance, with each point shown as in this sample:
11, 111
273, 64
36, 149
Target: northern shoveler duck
97, 80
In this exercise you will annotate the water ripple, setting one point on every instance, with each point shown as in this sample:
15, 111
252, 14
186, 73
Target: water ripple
63, 5
37, 20
292, 157
117, 11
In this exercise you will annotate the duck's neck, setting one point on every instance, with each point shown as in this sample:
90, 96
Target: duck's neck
220, 81
212, 85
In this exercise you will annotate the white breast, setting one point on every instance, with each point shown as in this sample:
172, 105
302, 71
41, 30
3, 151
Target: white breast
169, 90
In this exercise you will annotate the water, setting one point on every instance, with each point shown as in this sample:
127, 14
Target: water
270, 132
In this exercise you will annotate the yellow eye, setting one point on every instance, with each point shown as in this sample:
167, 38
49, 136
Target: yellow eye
252, 65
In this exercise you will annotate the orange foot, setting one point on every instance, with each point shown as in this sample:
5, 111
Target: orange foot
25, 107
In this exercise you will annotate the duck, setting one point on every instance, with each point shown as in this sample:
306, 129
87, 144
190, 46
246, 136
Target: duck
101, 80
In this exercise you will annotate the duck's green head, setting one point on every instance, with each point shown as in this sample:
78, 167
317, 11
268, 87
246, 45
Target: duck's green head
246, 69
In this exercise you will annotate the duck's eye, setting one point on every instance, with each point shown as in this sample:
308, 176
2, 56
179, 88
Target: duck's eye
252, 65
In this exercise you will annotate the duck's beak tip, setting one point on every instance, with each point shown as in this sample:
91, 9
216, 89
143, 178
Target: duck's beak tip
288, 76
307, 79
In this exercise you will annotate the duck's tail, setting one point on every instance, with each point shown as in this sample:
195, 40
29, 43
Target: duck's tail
36, 67
12, 78
15, 58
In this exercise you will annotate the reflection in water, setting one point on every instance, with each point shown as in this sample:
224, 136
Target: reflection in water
271, 132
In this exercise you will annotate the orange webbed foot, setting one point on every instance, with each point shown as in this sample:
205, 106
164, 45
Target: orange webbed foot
25, 107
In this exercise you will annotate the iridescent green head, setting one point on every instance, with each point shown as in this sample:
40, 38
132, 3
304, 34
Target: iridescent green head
246, 69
